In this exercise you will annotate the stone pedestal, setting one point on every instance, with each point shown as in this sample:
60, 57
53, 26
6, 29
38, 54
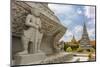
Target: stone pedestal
29, 58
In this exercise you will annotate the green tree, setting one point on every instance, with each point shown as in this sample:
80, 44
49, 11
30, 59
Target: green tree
69, 49
90, 56
92, 50
79, 49
74, 47
65, 47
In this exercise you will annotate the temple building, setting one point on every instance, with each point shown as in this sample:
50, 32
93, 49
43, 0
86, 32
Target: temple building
73, 42
85, 41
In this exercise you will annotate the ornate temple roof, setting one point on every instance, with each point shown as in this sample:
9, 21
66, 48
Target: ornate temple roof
73, 39
43, 7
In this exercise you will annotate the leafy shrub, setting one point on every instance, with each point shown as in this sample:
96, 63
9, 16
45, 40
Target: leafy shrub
65, 47
92, 50
74, 47
69, 49
90, 55
79, 49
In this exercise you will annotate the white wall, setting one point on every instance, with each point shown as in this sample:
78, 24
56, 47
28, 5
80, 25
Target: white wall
5, 33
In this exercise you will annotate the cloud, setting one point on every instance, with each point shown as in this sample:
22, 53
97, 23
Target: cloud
91, 33
69, 33
67, 36
90, 14
79, 11
60, 9
73, 17
64, 12
90, 11
78, 29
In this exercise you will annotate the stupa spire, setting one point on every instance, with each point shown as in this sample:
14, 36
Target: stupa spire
84, 42
73, 39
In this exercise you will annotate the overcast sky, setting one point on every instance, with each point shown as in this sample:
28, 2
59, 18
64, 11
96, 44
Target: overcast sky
73, 17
